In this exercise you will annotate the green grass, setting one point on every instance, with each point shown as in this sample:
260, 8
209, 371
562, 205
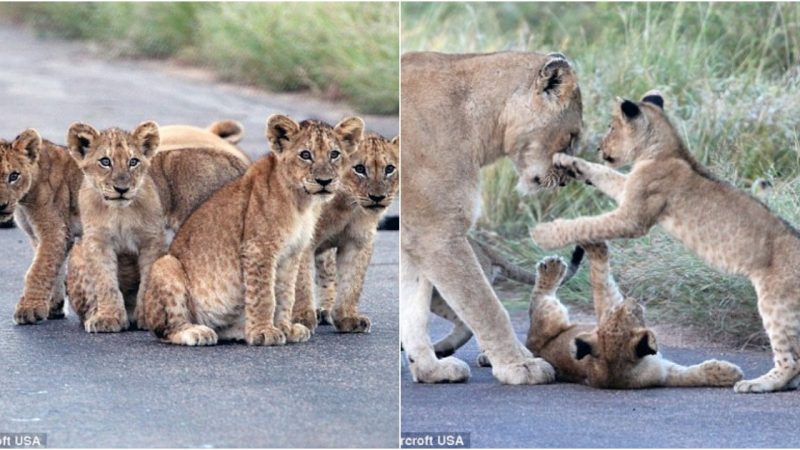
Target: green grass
729, 72
343, 51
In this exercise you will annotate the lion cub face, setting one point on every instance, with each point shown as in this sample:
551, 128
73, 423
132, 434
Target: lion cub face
373, 177
617, 345
314, 153
17, 160
543, 122
631, 129
113, 161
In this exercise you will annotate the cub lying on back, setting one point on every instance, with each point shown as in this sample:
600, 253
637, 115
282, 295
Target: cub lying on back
727, 227
344, 235
232, 267
130, 199
619, 352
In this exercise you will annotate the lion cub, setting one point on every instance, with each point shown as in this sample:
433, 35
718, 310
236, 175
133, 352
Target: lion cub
344, 235
130, 200
727, 227
231, 270
619, 352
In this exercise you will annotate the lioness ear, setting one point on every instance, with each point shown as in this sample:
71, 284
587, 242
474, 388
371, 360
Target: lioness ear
645, 343
147, 138
230, 130
280, 131
556, 79
584, 344
80, 138
350, 131
629, 109
654, 97
28, 143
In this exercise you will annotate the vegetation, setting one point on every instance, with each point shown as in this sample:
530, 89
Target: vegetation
729, 72
340, 50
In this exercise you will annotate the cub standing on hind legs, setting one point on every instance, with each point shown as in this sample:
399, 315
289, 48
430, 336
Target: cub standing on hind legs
619, 352
344, 237
230, 272
131, 197
727, 227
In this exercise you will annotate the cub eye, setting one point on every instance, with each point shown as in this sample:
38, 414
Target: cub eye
13, 176
105, 162
133, 162
306, 155
389, 169
360, 169
335, 155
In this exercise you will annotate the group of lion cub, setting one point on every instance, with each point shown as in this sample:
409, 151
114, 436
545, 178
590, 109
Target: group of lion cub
527, 106
172, 229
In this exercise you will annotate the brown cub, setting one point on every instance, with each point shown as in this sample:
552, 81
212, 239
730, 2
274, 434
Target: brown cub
131, 199
230, 272
343, 238
619, 352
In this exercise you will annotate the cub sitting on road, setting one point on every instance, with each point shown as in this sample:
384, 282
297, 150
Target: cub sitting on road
231, 270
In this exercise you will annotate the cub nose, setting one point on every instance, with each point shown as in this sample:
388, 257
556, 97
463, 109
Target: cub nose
376, 198
121, 190
324, 182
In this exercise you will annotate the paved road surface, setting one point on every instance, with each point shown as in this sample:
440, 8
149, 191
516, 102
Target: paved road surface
128, 390
569, 415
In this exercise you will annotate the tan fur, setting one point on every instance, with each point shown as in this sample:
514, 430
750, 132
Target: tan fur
220, 135
619, 352
231, 271
128, 208
347, 226
460, 113
727, 227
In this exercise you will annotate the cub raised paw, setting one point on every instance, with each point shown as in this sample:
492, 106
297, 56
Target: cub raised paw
572, 166
551, 271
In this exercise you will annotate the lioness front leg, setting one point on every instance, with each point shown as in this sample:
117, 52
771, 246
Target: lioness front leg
259, 268
103, 300
304, 311
285, 281
352, 260
37, 300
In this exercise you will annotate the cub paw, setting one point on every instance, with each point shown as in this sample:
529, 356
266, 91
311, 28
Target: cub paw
530, 371
306, 317
550, 270
106, 323
482, 360
265, 335
546, 236
571, 165
324, 317
195, 335
722, 373
56, 310
298, 333
30, 311
358, 324
447, 370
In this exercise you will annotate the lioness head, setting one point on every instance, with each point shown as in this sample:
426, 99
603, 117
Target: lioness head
314, 153
114, 162
634, 127
17, 160
541, 121
618, 343
373, 177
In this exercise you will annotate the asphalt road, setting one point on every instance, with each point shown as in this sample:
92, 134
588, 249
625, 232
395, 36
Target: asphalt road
570, 415
128, 389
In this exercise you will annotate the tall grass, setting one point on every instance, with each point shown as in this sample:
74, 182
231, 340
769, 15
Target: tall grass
339, 50
729, 72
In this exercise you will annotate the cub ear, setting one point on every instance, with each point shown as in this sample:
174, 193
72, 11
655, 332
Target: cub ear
396, 141
230, 130
556, 79
350, 131
645, 343
585, 344
280, 131
629, 109
654, 97
80, 138
28, 143
147, 138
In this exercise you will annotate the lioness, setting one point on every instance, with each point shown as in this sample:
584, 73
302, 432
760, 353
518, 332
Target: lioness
619, 352
40, 187
131, 198
240, 283
727, 227
460, 113
345, 233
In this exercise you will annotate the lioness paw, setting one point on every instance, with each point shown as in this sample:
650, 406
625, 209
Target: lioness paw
357, 324
530, 371
721, 373
265, 335
195, 335
764, 383
106, 323
446, 370
546, 236
30, 311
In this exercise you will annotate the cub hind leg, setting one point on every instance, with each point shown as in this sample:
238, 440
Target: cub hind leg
166, 306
